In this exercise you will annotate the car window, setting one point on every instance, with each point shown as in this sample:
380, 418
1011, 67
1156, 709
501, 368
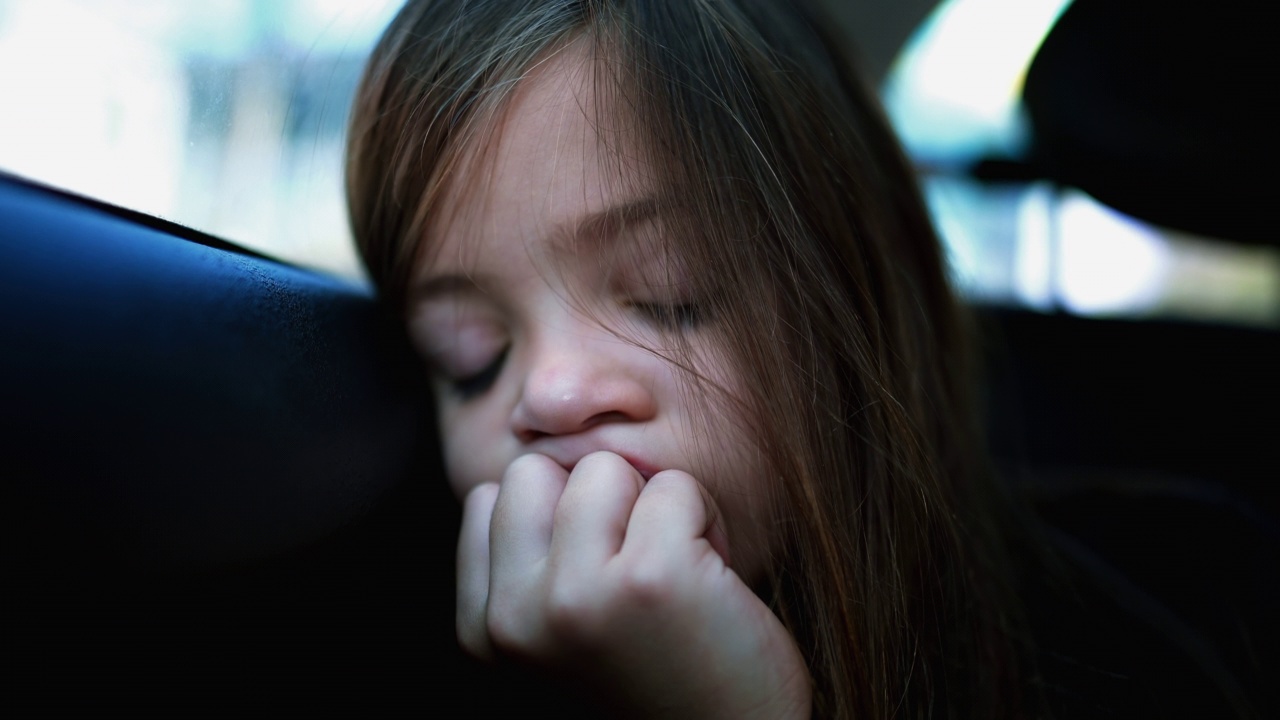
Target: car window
227, 117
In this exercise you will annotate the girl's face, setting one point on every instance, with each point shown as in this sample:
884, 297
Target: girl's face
545, 287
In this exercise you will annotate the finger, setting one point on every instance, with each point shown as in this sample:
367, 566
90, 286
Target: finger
520, 533
672, 511
473, 570
591, 519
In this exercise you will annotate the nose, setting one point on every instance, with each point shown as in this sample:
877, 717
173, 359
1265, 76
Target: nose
576, 383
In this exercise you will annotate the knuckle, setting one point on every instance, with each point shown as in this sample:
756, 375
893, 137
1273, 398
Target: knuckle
646, 586
676, 481
507, 630
481, 495
675, 475
602, 462
680, 487
527, 467
470, 630
571, 613
472, 640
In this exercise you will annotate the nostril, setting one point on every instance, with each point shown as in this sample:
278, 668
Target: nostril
605, 417
528, 435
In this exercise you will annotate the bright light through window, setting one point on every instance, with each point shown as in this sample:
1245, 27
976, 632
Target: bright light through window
227, 117
953, 93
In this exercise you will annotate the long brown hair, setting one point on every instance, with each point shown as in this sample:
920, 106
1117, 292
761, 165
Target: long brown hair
807, 238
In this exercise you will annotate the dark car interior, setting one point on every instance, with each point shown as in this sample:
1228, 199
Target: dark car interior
221, 475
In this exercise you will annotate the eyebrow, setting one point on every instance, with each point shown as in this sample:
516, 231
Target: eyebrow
604, 225
452, 283
599, 227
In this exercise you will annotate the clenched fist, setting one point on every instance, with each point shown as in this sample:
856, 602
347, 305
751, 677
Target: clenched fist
621, 587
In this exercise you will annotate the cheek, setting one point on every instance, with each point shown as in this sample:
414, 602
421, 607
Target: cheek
741, 480
473, 453
725, 409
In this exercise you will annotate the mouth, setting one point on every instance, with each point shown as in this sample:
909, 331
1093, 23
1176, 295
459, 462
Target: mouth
646, 471
568, 453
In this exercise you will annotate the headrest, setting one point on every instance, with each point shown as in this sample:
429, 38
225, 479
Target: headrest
1162, 111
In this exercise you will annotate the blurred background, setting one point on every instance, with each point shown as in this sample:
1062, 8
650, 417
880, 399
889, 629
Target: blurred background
228, 116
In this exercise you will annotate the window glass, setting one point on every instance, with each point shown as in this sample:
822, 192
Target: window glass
226, 116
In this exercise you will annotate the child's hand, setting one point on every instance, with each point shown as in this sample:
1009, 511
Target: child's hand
656, 624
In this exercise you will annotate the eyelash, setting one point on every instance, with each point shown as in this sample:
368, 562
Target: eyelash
668, 316
671, 316
474, 385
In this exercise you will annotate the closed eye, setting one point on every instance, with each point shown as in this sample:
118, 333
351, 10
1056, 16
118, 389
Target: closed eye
670, 316
475, 385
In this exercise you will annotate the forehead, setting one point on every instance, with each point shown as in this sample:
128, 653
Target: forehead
555, 154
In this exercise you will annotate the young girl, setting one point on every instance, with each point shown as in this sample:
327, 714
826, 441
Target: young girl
703, 384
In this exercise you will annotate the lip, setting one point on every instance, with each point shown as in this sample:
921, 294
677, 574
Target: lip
646, 470
570, 460
570, 450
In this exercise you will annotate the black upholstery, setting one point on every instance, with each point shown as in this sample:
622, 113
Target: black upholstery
221, 483
1158, 399
187, 403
